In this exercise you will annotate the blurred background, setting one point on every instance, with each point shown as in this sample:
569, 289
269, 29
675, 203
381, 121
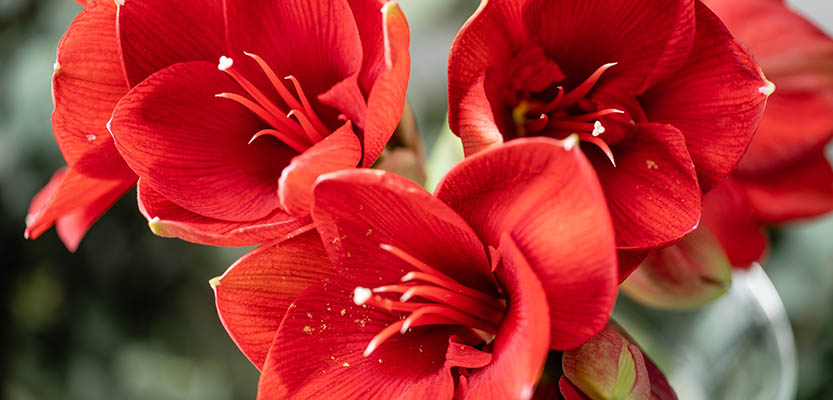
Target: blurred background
131, 316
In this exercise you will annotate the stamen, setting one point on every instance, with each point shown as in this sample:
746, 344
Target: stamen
465, 304
572, 125
313, 134
273, 78
600, 143
584, 88
307, 107
596, 115
288, 140
416, 263
451, 285
266, 116
453, 316
551, 106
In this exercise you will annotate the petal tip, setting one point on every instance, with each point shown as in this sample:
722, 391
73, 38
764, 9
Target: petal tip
768, 89
214, 282
157, 226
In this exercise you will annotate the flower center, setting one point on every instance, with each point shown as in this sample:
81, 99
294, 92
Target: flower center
299, 128
431, 298
564, 114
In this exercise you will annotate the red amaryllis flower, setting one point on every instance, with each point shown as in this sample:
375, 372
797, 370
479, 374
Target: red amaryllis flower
664, 100
783, 177
87, 83
425, 297
226, 156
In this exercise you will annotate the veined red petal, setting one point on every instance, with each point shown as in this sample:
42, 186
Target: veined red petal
340, 150
489, 38
154, 34
715, 100
799, 191
549, 200
73, 202
356, 211
167, 219
194, 148
87, 83
371, 31
255, 292
730, 218
521, 344
386, 101
333, 333
649, 39
652, 191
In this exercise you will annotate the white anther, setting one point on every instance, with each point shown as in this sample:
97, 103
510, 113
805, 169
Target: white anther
361, 295
767, 89
598, 129
225, 63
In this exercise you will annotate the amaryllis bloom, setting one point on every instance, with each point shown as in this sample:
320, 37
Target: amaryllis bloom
663, 98
410, 296
784, 176
612, 366
228, 119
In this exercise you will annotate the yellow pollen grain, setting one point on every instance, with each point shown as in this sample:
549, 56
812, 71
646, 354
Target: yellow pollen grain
308, 330
650, 164
342, 312
369, 231
346, 364
309, 315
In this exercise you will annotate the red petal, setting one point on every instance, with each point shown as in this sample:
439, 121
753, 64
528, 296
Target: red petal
333, 333
194, 148
340, 150
522, 342
796, 123
684, 276
87, 83
488, 39
154, 34
730, 218
549, 200
649, 39
386, 101
716, 100
316, 41
800, 191
73, 202
371, 31
167, 219
652, 191
255, 292
358, 210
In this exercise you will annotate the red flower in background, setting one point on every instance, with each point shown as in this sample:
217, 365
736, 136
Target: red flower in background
302, 88
783, 177
659, 89
424, 296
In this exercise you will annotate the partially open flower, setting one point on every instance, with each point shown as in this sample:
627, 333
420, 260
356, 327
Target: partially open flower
611, 366
663, 99
429, 297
